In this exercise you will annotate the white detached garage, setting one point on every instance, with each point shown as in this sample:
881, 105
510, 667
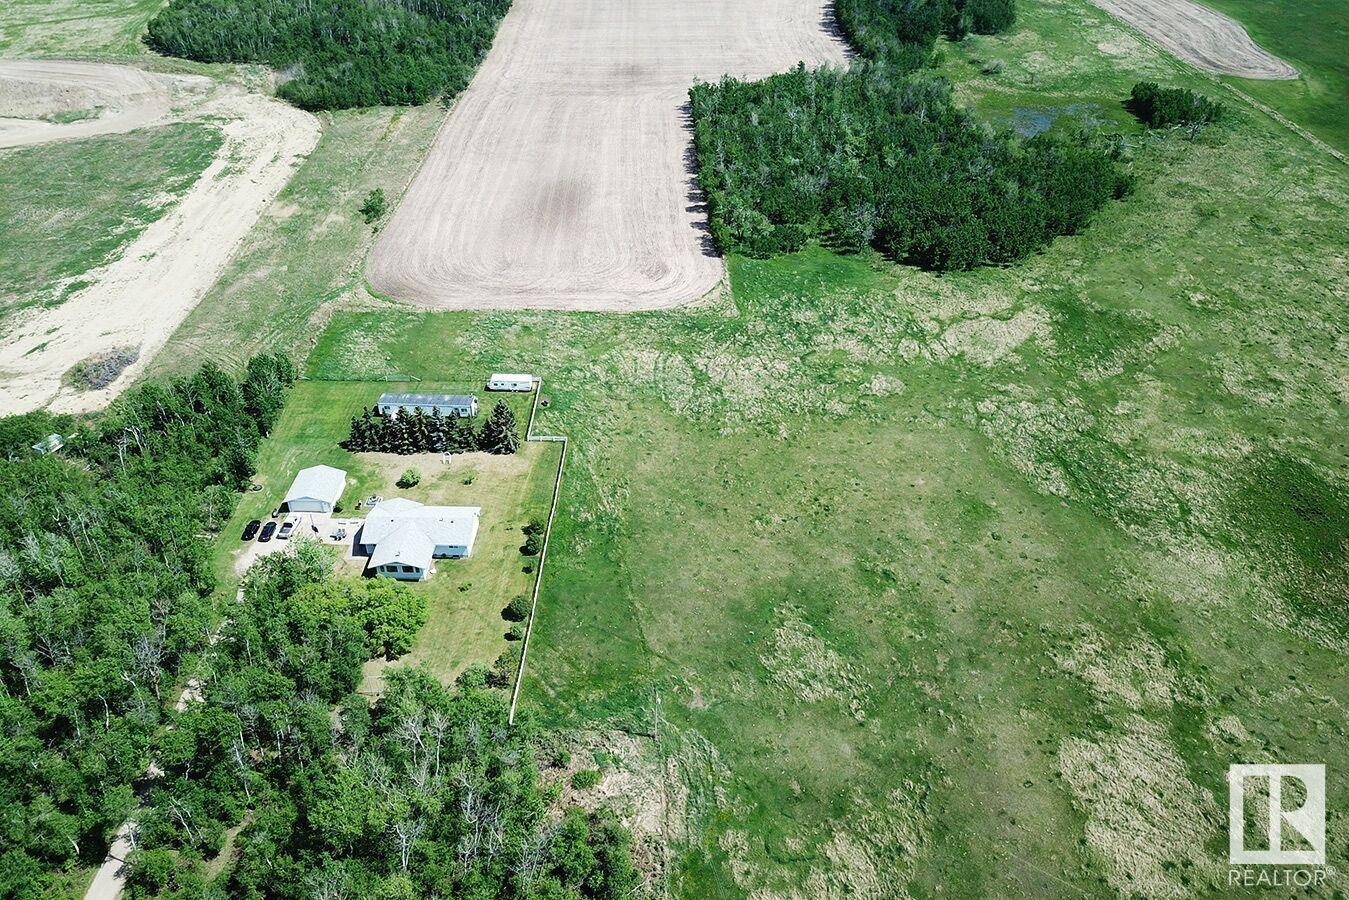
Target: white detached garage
316, 489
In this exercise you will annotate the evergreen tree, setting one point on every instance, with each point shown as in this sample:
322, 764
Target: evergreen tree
499, 433
436, 429
419, 432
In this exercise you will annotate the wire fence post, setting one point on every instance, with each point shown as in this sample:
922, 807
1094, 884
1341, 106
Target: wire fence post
543, 552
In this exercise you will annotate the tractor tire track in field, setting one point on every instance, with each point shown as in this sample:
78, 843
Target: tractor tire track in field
1203, 37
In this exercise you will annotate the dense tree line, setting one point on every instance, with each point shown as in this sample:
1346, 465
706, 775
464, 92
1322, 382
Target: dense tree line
879, 155
105, 579
418, 432
339, 53
1159, 107
868, 157
901, 33
427, 793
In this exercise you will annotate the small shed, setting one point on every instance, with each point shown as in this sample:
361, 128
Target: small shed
517, 381
462, 405
316, 489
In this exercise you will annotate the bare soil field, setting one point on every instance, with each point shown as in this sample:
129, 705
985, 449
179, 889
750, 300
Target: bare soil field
1201, 36
563, 178
136, 301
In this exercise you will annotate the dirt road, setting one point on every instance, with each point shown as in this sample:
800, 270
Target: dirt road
137, 300
562, 178
1201, 36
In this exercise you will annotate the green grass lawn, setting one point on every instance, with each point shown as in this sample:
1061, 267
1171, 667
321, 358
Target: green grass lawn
465, 597
972, 584
71, 206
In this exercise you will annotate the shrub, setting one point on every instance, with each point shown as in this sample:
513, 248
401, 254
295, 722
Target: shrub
505, 667
517, 610
586, 779
410, 478
499, 432
516, 632
1159, 107
375, 206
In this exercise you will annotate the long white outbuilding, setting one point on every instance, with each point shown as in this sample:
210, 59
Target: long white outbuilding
516, 381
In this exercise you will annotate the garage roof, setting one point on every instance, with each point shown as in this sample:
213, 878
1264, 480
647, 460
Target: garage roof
317, 483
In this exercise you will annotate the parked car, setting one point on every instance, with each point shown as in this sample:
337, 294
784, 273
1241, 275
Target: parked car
286, 528
267, 531
251, 529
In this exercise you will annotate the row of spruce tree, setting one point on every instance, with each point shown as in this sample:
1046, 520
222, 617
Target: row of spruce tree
420, 432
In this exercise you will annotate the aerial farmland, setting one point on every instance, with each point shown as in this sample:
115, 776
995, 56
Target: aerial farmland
772, 450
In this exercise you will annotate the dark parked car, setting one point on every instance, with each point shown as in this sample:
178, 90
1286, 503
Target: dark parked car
285, 531
251, 530
267, 531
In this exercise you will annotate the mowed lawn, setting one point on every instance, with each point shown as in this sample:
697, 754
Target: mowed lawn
464, 597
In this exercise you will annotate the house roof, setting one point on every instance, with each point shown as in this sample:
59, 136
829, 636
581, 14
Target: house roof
445, 526
317, 483
427, 399
511, 376
406, 545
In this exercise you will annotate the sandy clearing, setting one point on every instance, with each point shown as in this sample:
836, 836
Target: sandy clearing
138, 299
116, 98
1201, 36
562, 177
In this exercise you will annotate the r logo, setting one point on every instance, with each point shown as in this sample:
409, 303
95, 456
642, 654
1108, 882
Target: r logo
1308, 820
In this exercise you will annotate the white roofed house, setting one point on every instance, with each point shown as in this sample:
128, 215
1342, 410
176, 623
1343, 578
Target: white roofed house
401, 537
316, 489
464, 406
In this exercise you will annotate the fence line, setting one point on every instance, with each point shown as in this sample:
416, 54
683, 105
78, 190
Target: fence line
543, 552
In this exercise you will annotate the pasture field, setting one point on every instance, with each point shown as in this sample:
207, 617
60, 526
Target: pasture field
465, 597
72, 206
973, 583
74, 28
